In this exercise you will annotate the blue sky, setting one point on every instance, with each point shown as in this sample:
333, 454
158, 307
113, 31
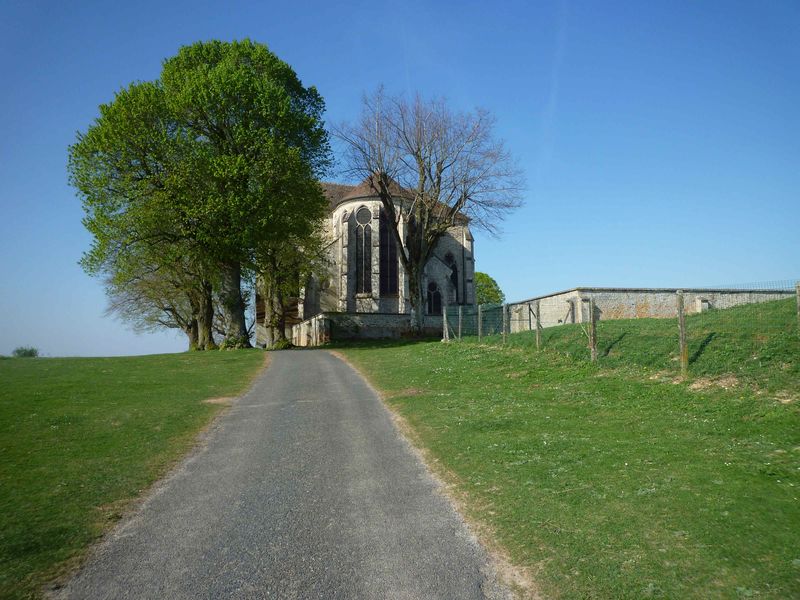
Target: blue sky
660, 140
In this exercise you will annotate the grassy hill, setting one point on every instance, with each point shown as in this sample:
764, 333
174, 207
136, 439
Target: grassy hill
81, 437
618, 480
757, 343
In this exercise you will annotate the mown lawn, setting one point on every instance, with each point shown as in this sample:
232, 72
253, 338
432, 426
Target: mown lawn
81, 437
614, 481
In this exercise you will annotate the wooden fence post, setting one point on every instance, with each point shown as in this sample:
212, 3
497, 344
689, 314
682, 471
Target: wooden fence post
684, 349
446, 332
592, 331
480, 322
505, 322
538, 326
797, 297
460, 320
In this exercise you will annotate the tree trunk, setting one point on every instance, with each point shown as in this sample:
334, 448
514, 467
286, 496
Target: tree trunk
233, 305
280, 315
269, 310
205, 319
191, 333
417, 299
271, 306
269, 326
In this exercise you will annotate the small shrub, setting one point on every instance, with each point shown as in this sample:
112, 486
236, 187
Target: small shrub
235, 343
282, 345
26, 352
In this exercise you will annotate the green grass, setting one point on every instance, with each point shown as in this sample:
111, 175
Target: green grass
610, 480
81, 437
757, 343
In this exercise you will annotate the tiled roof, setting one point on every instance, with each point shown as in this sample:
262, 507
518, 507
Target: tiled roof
337, 193
365, 190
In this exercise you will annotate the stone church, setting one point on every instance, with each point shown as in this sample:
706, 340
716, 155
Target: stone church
364, 293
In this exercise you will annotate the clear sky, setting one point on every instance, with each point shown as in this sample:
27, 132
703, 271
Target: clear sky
661, 140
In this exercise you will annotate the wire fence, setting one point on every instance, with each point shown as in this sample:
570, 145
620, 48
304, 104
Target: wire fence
702, 331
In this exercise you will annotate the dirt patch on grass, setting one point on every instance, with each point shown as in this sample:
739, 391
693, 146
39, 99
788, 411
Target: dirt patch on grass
659, 375
516, 374
666, 377
404, 393
222, 401
726, 382
786, 397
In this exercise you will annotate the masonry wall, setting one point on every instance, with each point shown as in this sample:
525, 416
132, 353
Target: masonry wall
572, 306
328, 327
457, 242
261, 333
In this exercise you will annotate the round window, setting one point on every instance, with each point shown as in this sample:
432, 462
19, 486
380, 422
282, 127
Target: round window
363, 216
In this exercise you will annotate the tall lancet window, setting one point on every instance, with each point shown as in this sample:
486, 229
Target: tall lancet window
363, 251
451, 262
434, 299
388, 257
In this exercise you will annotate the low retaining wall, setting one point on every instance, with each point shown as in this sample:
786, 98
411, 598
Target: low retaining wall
334, 326
572, 306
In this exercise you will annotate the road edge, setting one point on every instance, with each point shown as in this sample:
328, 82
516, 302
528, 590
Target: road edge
56, 587
513, 577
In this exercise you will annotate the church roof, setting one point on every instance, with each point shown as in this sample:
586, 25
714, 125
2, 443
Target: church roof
365, 190
338, 193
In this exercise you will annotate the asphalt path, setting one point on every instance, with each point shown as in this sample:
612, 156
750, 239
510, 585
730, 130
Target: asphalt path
304, 489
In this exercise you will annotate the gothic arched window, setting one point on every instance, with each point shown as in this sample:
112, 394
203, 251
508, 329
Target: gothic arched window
434, 299
363, 251
388, 257
451, 262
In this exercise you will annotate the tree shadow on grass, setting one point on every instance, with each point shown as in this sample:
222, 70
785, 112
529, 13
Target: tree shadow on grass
702, 347
613, 343
377, 343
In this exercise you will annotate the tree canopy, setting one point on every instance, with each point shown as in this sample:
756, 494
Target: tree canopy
487, 291
194, 173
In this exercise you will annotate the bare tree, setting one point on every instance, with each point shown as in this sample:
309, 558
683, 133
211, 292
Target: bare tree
432, 168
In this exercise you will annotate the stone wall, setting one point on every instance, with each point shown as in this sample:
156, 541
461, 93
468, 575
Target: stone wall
261, 334
334, 326
312, 332
572, 306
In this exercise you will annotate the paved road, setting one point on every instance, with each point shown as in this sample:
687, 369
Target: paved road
304, 490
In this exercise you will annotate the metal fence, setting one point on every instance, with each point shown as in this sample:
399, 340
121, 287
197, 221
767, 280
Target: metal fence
474, 321
661, 327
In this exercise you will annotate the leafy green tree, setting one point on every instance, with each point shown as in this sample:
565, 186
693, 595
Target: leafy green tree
487, 291
25, 352
133, 171
164, 296
261, 148
285, 265
191, 173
